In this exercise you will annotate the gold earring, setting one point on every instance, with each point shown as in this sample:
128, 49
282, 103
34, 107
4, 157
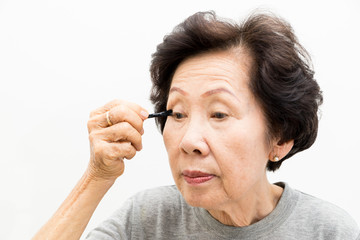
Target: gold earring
276, 159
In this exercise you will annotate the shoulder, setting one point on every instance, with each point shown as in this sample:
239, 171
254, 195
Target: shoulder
160, 213
325, 217
149, 203
142, 215
323, 210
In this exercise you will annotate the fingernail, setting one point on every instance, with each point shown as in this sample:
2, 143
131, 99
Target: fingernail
145, 114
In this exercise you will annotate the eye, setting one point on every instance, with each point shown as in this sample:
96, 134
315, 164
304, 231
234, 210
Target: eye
219, 115
178, 115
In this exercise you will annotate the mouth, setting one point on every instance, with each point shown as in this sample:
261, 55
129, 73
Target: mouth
196, 177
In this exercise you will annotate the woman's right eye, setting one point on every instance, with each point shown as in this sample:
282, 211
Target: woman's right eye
178, 115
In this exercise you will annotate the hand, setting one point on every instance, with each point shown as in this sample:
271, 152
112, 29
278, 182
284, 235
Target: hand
111, 142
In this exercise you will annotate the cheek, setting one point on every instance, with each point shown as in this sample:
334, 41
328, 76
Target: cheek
242, 150
171, 141
167, 137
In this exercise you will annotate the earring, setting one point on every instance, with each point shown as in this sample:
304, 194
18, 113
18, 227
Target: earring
276, 159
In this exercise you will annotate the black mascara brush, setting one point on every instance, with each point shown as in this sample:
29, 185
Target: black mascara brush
161, 114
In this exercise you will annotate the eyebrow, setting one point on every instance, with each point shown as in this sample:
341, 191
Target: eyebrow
218, 90
179, 90
206, 94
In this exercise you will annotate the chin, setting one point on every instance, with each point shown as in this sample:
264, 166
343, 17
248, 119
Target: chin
203, 199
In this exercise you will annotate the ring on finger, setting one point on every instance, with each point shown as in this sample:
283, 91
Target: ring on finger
108, 118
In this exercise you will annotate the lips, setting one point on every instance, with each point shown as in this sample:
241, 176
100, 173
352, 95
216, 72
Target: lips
196, 177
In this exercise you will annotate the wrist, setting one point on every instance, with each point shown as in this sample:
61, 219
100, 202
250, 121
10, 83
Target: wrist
95, 177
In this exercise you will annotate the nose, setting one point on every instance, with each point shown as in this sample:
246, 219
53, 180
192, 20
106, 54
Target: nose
194, 140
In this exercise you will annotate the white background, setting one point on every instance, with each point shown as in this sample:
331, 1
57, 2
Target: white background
61, 59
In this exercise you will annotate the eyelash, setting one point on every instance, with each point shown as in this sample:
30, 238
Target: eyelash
178, 115
217, 115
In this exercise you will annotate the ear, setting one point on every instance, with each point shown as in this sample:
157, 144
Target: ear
281, 150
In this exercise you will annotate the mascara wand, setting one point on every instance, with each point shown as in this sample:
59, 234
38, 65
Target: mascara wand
161, 114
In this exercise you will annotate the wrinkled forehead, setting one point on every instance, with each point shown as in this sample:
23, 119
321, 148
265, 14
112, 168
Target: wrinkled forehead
227, 70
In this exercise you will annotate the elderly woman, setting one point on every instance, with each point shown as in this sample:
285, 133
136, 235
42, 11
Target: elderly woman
241, 99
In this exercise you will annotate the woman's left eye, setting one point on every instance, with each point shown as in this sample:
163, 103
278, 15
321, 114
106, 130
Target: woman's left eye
219, 115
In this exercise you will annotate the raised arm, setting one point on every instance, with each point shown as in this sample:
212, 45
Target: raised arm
115, 133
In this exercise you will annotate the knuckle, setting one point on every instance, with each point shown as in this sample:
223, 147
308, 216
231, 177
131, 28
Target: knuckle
98, 151
108, 153
138, 143
90, 125
130, 152
120, 112
112, 154
125, 126
121, 109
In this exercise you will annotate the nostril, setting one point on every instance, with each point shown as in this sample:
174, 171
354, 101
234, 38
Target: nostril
197, 151
194, 145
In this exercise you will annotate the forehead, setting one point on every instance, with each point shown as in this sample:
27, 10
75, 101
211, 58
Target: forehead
230, 68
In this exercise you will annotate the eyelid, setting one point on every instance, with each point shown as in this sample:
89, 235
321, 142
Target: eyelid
178, 115
173, 101
224, 115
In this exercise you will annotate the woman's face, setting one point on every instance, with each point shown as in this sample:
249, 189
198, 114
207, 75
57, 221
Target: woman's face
216, 139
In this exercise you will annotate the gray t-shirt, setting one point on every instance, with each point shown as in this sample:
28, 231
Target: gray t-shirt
162, 213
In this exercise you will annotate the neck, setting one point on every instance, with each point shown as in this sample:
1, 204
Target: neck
259, 202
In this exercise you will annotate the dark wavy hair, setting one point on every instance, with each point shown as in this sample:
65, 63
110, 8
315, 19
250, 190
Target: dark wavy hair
281, 75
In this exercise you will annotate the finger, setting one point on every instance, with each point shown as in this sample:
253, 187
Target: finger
120, 113
118, 151
138, 109
122, 132
105, 108
121, 150
110, 105
108, 159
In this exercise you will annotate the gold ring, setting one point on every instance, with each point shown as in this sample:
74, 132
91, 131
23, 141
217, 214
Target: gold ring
108, 118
